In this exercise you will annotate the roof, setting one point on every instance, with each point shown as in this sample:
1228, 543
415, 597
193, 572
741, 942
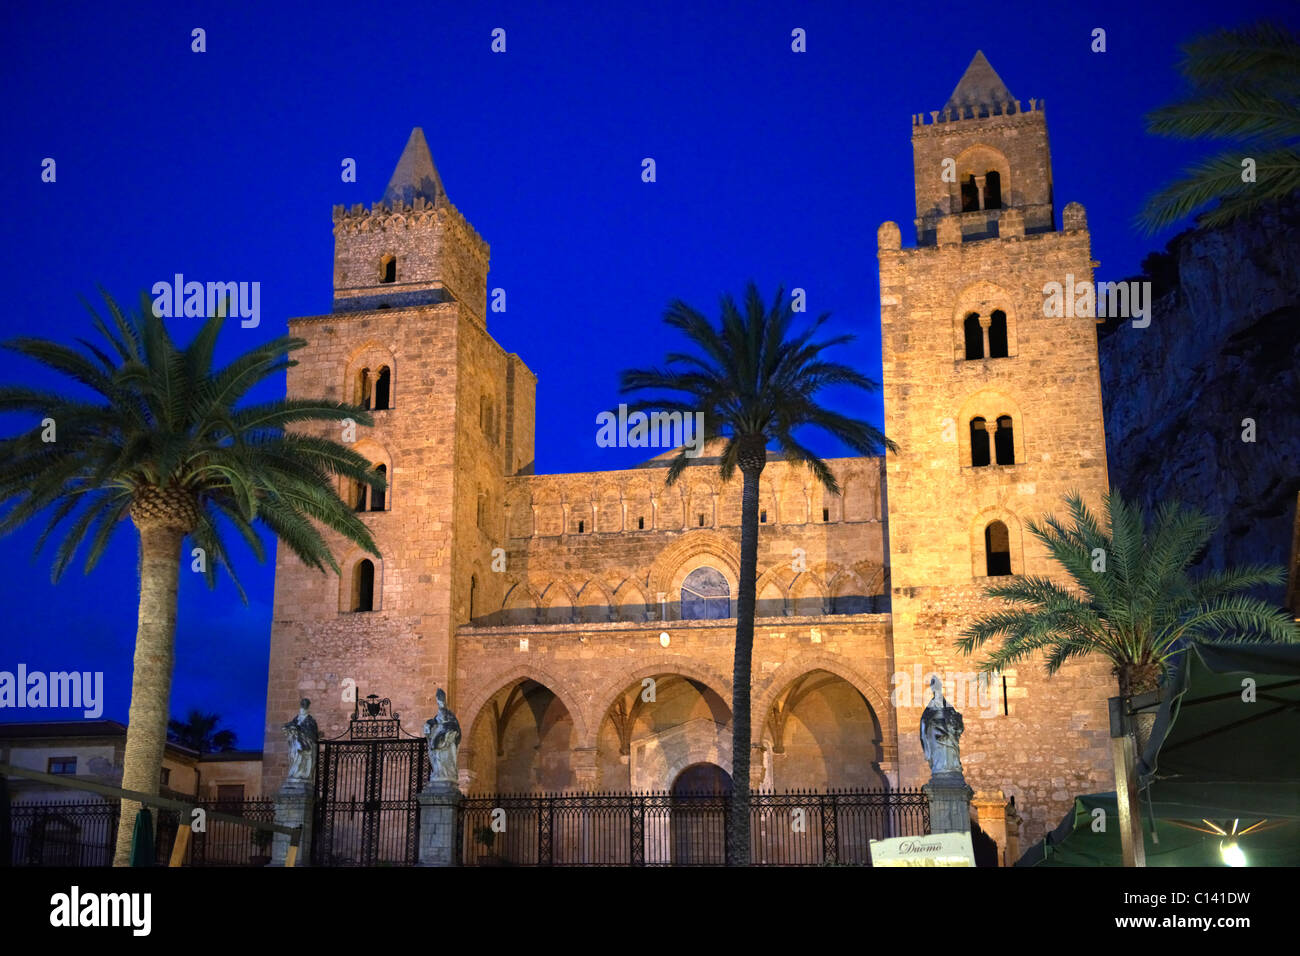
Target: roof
415, 174
979, 86
62, 728
77, 730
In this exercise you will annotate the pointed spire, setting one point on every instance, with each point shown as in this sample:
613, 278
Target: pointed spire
979, 86
415, 174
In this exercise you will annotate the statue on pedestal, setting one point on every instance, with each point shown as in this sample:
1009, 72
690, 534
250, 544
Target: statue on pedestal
941, 730
443, 733
303, 736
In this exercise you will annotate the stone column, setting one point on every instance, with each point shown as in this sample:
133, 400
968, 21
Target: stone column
439, 809
985, 322
949, 802
294, 804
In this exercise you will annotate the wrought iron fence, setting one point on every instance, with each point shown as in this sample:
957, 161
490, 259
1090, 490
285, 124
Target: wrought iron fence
798, 828
84, 833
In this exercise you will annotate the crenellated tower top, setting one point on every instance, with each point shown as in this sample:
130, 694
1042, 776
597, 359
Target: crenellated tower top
412, 247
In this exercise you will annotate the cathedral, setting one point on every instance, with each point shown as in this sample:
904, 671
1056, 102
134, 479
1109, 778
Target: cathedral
582, 625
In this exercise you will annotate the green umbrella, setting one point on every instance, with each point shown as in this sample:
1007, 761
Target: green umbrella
142, 853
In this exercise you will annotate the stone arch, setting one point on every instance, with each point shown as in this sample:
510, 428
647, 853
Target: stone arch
675, 666
520, 605
476, 701
772, 590
982, 298
796, 498
675, 561
1015, 540
808, 595
594, 603
767, 691
989, 404
558, 601
631, 602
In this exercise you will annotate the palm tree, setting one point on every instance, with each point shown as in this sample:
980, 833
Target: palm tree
756, 382
198, 731
167, 443
1245, 88
1132, 599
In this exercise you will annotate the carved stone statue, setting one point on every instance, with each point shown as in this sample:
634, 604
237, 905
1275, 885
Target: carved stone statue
303, 736
941, 730
443, 733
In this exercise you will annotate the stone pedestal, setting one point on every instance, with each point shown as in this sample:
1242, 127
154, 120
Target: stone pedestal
439, 808
998, 819
293, 808
949, 803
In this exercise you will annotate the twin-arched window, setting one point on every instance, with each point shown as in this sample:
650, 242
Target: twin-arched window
986, 338
997, 448
374, 390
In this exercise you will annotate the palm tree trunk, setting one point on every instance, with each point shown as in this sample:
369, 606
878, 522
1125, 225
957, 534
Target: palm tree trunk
151, 681
751, 463
1135, 677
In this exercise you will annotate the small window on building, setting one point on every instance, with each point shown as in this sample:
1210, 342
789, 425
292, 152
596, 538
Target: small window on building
701, 519
979, 443
388, 269
998, 334
582, 527
997, 549
359, 491
762, 517
473, 593
974, 336
379, 496
61, 765
993, 189
165, 776
970, 195
1004, 445
826, 514
383, 389
363, 586
640, 524
363, 388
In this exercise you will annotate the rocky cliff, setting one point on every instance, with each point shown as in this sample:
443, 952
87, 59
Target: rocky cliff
1223, 346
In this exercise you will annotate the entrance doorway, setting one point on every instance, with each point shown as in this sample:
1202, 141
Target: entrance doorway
698, 818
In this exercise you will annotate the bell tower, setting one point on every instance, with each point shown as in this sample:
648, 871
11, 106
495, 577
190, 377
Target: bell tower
997, 412
407, 340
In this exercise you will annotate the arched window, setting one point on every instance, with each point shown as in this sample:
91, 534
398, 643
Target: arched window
363, 586
1004, 445
970, 195
359, 494
383, 389
378, 496
997, 549
388, 269
975, 336
998, 334
363, 388
993, 189
979, 443
705, 595
473, 588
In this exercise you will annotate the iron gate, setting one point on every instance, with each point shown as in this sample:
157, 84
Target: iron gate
366, 813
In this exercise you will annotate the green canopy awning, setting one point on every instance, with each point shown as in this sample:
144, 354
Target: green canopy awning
1225, 748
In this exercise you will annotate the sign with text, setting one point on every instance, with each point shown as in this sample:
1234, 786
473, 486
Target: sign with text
935, 849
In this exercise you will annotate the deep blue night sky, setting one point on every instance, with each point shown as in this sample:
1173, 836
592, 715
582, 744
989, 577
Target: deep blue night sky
771, 165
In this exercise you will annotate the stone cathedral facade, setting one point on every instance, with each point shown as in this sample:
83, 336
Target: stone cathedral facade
582, 624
